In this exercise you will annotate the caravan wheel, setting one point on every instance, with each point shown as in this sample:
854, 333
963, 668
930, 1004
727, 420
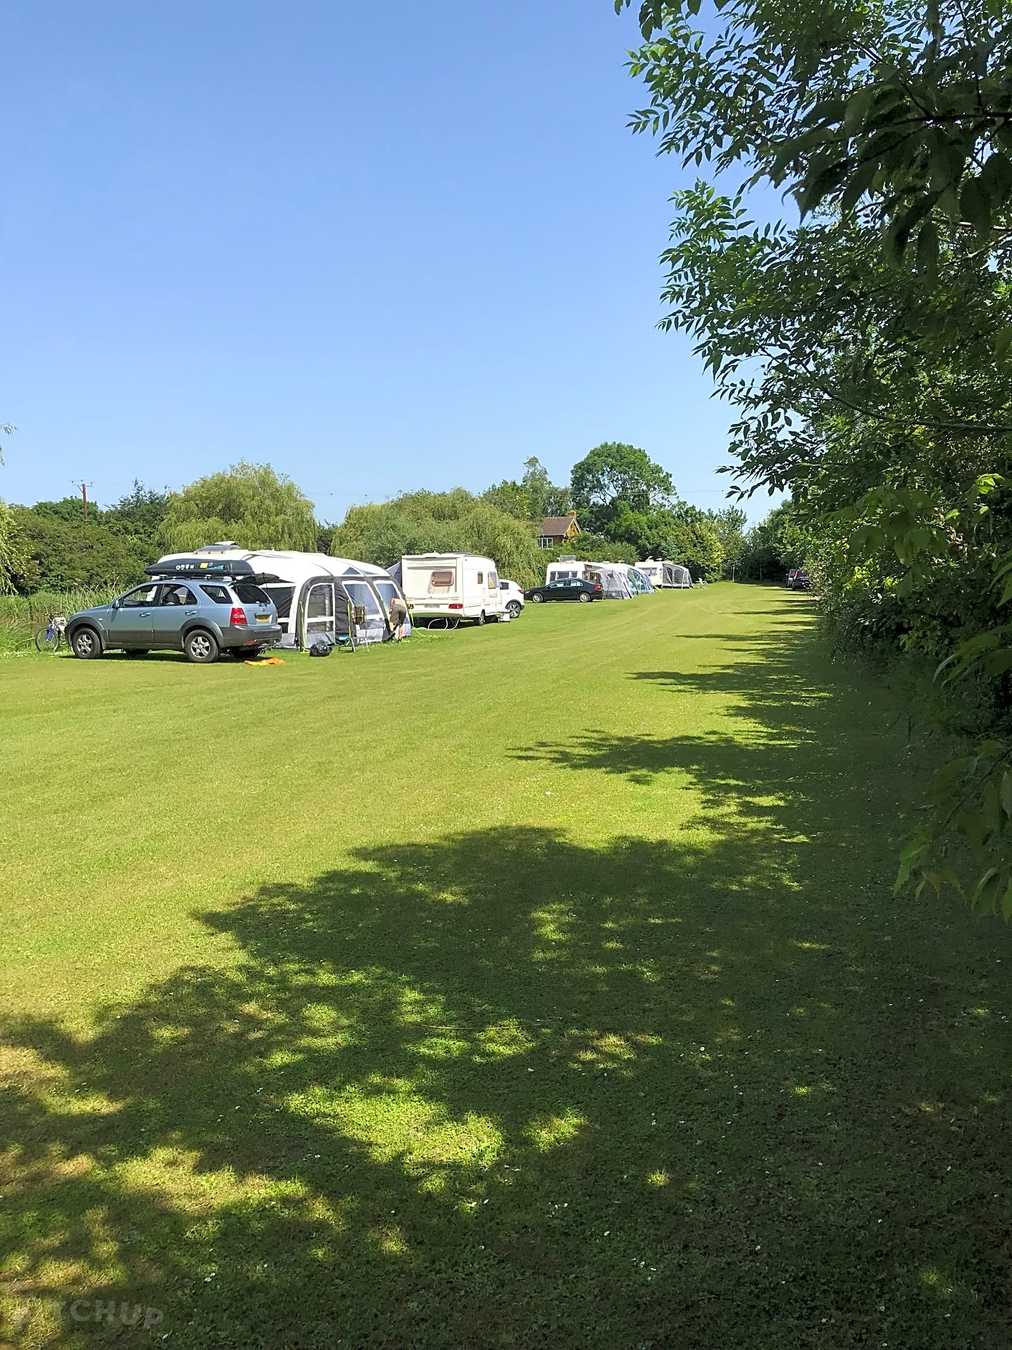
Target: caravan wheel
480, 619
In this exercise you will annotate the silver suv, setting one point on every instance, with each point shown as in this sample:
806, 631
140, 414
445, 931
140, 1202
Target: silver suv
199, 615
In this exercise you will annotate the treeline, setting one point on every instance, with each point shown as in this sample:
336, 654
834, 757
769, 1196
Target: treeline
866, 350
627, 507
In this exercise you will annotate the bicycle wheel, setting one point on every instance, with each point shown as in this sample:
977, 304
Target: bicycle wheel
48, 639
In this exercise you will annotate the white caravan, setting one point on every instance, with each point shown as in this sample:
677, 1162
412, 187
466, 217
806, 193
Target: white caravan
566, 569
318, 596
450, 587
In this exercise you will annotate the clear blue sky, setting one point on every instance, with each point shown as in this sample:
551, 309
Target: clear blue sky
381, 246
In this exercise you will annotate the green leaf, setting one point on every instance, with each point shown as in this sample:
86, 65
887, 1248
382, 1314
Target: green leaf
988, 482
996, 179
945, 167
859, 184
1005, 792
975, 204
983, 893
820, 183
927, 249
998, 663
980, 642
1006, 901
858, 107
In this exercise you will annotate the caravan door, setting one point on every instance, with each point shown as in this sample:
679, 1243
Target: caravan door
361, 593
319, 613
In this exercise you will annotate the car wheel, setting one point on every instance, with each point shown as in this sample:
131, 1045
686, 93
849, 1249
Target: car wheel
537, 599
513, 609
583, 598
201, 647
480, 619
137, 651
86, 644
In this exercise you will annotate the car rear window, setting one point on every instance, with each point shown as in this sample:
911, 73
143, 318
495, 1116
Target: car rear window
251, 594
220, 595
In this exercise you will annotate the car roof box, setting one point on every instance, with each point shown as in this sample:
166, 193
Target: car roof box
235, 569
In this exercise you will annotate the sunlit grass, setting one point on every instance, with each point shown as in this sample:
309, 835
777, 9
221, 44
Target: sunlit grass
539, 985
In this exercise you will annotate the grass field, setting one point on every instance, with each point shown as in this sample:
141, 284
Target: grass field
538, 985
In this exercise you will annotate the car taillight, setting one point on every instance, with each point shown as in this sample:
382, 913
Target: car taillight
597, 586
455, 606
237, 619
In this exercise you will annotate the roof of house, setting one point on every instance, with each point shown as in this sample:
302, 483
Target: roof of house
552, 525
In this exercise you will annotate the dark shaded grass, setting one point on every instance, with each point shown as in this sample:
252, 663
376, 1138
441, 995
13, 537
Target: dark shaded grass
505, 1089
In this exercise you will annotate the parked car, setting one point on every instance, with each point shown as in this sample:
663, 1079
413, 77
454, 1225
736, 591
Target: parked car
566, 588
512, 598
798, 580
200, 616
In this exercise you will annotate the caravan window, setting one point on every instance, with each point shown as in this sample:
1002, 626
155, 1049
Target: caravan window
320, 604
361, 593
442, 579
481, 578
493, 581
388, 592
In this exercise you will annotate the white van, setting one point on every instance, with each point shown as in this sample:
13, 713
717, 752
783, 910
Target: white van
451, 586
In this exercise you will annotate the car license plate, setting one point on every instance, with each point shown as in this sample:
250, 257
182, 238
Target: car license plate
263, 618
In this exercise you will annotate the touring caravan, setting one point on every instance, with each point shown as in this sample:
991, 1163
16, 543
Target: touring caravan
662, 572
449, 587
567, 569
318, 596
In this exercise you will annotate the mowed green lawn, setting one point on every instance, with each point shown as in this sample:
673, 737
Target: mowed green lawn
537, 985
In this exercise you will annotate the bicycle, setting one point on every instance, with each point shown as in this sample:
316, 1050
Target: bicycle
53, 636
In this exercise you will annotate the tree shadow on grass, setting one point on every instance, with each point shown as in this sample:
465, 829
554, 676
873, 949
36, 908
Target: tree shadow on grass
505, 1089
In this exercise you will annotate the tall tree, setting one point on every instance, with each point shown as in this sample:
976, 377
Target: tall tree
533, 497
615, 479
730, 524
250, 503
139, 513
866, 351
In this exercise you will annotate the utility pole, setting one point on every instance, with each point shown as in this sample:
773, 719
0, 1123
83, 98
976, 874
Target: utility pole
78, 482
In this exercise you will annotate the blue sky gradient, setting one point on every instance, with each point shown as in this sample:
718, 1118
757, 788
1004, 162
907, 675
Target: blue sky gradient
381, 247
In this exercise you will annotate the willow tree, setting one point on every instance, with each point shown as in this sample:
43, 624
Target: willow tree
250, 503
